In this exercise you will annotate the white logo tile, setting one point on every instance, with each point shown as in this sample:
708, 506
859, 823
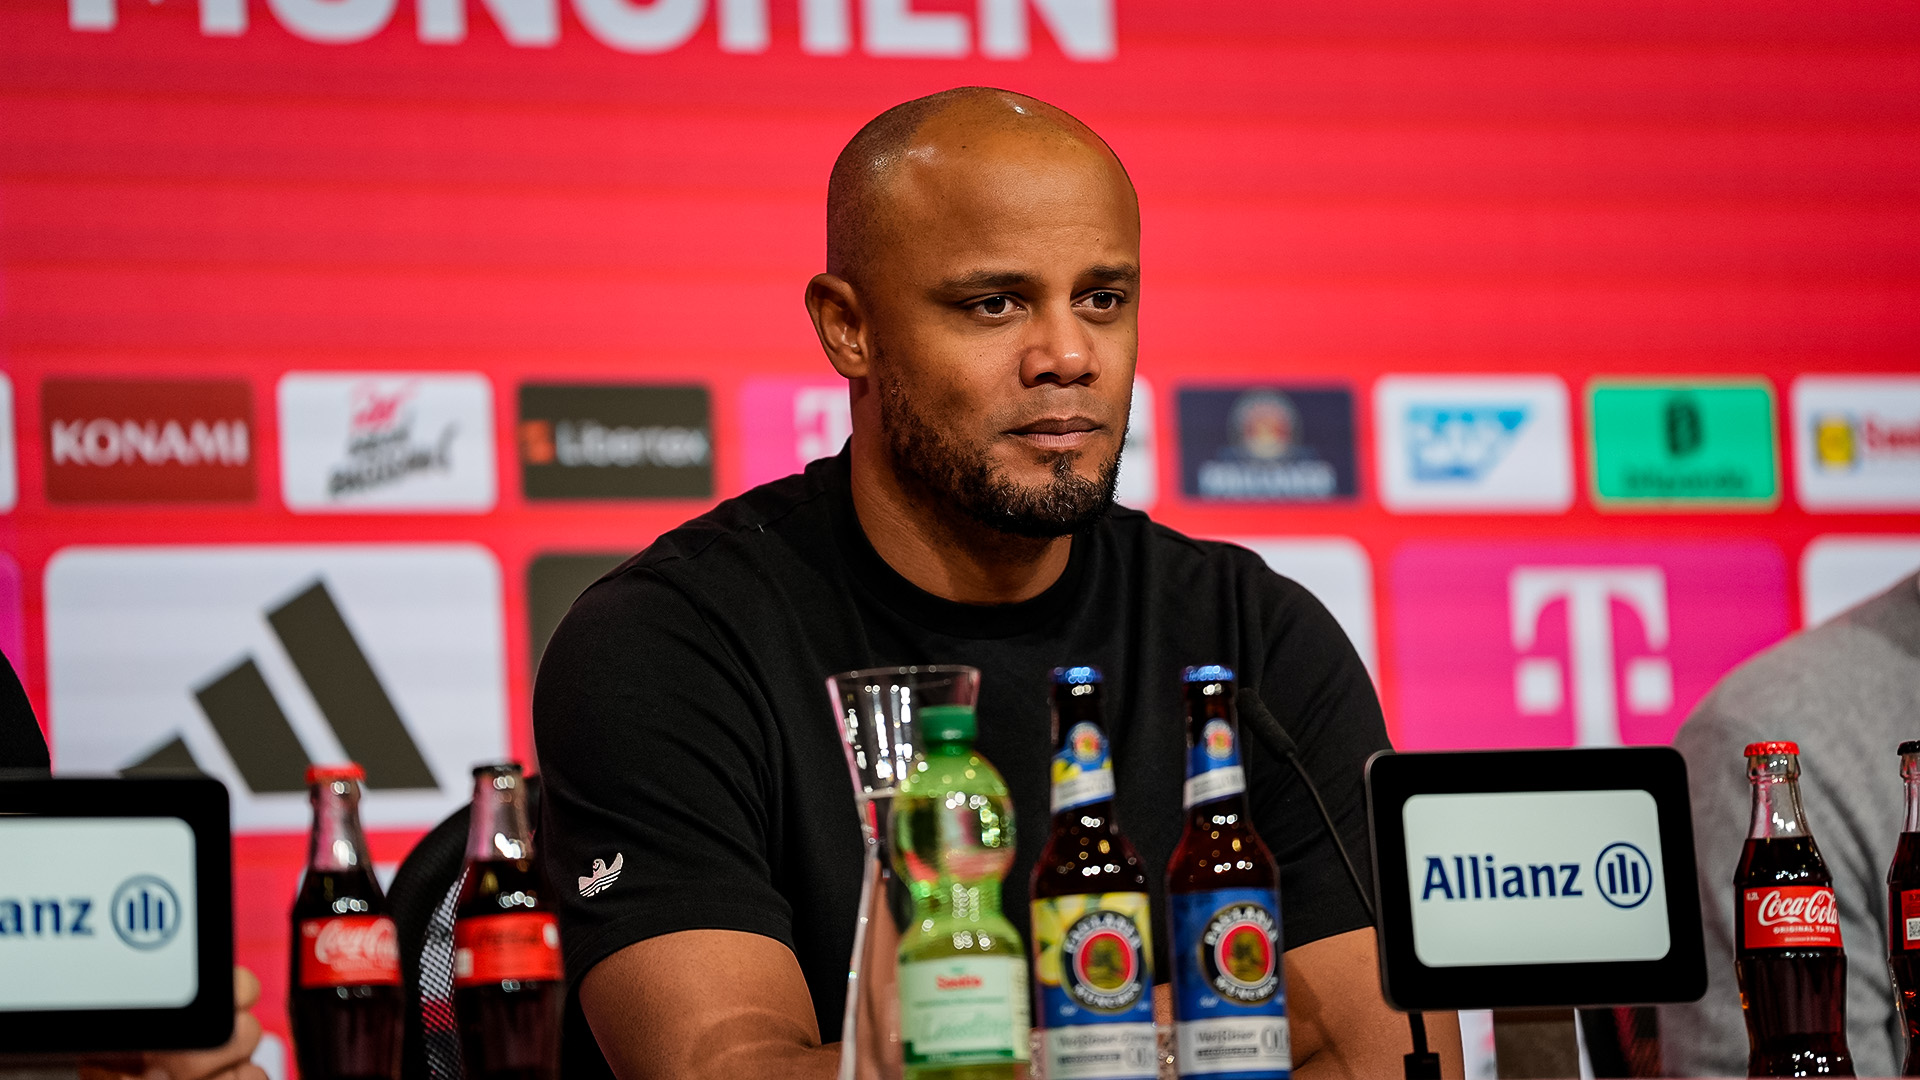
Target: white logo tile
386, 442
1336, 570
1856, 442
251, 662
1478, 443
1838, 572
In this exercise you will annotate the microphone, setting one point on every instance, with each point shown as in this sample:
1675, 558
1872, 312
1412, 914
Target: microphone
1422, 1064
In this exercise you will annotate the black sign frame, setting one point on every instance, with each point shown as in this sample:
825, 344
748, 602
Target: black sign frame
1393, 778
207, 1020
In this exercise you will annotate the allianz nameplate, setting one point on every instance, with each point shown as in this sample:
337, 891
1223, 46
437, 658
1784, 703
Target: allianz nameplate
98, 913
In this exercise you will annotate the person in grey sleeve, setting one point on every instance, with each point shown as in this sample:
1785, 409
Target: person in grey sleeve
1848, 691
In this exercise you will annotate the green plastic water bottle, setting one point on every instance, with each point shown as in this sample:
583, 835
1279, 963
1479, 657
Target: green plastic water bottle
963, 970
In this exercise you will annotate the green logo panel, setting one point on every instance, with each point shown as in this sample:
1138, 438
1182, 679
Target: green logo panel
1683, 444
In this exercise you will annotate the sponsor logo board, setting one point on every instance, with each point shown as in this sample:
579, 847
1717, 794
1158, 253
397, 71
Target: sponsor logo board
1856, 442
9, 472
249, 663
1536, 877
1473, 443
367, 441
785, 423
615, 442
98, 913
1267, 444
128, 440
1681, 444
1504, 645
1336, 571
1838, 572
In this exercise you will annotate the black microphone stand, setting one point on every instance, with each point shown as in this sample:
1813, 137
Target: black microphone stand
1422, 1064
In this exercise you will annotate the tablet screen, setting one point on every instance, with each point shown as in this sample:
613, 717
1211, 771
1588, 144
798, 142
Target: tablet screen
1536, 877
98, 913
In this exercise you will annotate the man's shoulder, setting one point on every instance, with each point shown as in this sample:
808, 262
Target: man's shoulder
1181, 561
1845, 678
774, 522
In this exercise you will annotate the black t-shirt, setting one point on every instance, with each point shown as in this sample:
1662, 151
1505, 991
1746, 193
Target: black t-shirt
21, 744
684, 727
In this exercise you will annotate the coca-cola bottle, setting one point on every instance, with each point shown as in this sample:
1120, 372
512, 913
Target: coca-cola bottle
1787, 955
1903, 910
507, 987
343, 993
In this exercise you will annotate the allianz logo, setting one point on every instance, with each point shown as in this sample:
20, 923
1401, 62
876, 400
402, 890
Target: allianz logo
1621, 875
144, 913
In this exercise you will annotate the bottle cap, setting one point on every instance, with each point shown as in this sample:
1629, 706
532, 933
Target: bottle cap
1911, 746
1076, 676
1207, 673
498, 766
346, 770
1779, 746
947, 723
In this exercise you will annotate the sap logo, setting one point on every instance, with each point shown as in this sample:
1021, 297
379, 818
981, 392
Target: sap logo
1460, 443
45, 918
1083, 29
1448, 443
1476, 877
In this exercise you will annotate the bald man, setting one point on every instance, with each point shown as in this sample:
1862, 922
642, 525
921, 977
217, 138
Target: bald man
982, 301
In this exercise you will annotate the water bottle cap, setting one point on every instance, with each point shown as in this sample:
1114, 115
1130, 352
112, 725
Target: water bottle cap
1076, 676
947, 723
1911, 746
325, 774
1207, 673
1779, 746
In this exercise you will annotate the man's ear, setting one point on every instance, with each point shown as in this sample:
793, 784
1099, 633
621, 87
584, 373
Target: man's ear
841, 324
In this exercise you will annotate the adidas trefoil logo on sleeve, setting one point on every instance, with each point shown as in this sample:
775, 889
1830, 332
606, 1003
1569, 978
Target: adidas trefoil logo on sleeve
603, 876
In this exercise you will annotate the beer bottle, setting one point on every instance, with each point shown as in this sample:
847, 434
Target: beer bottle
1091, 949
344, 1000
508, 993
963, 973
1903, 910
1229, 995
1787, 955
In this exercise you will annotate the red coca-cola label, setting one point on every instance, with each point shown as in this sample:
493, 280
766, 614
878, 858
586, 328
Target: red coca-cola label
1791, 916
521, 945
349, 950
1906, 921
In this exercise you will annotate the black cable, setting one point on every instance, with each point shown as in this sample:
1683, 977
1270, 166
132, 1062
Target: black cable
1422, 1064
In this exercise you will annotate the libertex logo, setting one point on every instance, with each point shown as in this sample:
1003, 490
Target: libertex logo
249, 663
1001, 29
1573, 644
126, 440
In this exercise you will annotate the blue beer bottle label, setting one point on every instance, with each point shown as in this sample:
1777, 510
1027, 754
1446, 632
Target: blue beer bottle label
1229, 994
1213, 765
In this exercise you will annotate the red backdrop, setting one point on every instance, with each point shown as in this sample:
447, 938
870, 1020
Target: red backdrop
1333, 192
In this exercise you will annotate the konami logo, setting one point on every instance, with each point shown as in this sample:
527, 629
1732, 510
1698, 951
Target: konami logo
114, 440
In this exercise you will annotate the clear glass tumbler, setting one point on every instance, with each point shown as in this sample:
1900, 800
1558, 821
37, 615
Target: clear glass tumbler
876, 710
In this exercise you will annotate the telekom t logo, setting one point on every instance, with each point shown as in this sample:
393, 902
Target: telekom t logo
1554, 643
1589, 593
